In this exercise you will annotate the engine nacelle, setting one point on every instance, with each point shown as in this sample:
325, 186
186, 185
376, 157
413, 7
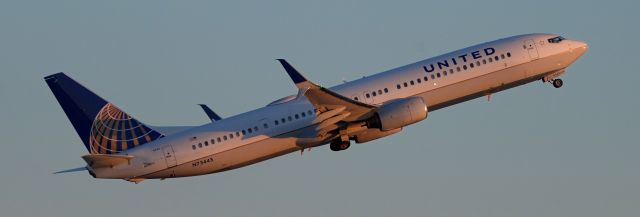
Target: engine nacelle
399, 113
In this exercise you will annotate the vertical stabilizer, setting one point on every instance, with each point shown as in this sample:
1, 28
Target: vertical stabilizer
103, 127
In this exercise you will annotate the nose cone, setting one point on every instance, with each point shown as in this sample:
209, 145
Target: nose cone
579, 46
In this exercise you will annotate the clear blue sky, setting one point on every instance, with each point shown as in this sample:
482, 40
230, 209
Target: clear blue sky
532, 151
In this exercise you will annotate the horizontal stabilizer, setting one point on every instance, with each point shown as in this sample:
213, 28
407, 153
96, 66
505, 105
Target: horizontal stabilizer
104, 160
72, 170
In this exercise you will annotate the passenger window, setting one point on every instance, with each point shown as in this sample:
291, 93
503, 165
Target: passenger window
213, 141
289, 118
433, 76
296, 116
419, 80
237, 134
450, 71
266, 125
379, 92
398, 86
231, 135
224, 138
508, 54
471, 65
219, 140
496, 57
490, 59
438, 74
478, 63
309, 112
283, 120
405, 84
411, 82
193, 147
199, 145
484, 61
502, 56
367, 95
243, 133
458, 68
373, 93
464, 67
386, 90
255, 128
250, 130
444, 73
206, 143
275, 122
304, 115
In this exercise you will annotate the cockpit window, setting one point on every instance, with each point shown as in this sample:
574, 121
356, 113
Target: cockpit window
555, 39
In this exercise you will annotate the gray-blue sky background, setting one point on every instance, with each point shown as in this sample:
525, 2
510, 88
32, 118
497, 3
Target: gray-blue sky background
532, 151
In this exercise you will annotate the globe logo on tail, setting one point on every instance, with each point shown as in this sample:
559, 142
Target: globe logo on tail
114, 131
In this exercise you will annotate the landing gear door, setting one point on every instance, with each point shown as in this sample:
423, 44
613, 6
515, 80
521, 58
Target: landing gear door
530, 46
169, 156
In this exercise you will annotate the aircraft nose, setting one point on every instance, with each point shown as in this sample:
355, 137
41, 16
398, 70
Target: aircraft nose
580, 46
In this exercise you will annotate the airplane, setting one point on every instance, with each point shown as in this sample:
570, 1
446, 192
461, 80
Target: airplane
122, 147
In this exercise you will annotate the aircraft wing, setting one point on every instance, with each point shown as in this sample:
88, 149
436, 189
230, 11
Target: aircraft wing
325, 100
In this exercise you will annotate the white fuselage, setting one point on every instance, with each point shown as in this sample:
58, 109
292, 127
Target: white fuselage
441, 81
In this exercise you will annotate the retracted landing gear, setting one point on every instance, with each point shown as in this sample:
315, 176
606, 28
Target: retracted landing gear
557, 83
338, 145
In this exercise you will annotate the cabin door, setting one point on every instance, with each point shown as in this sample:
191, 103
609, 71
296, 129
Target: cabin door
169, 155
530, 46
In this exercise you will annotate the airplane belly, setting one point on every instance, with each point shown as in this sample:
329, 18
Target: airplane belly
489, 83
230, 159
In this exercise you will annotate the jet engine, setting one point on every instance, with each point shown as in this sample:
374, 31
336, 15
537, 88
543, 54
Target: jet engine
399, 113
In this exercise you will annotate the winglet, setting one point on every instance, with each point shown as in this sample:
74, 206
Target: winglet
298, 79
322, 98
210, 113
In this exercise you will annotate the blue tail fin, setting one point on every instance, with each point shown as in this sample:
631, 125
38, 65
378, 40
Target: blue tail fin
103, 127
